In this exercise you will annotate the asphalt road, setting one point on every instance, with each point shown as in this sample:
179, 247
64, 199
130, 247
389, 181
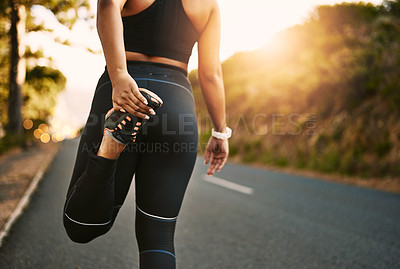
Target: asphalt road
256, 219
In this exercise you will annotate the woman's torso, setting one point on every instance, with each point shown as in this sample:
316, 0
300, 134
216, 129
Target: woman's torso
196, 10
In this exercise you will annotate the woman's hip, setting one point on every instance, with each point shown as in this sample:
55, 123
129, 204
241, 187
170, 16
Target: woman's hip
176, 117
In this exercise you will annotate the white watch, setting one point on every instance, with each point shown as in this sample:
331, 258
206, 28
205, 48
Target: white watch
219, 135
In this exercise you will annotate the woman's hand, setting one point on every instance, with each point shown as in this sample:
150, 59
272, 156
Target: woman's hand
217, 151
126, 97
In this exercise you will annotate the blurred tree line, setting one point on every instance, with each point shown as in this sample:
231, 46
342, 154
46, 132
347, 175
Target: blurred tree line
323, 95
27, 91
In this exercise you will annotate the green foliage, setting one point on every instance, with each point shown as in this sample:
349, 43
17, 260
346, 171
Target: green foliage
341, 65
41, 88
66, 11
42, 83
345, 18
391, 7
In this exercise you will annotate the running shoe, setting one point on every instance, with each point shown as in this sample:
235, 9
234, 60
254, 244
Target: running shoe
122, 126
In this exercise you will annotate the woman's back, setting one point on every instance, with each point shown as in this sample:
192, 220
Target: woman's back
198, 11
164, 30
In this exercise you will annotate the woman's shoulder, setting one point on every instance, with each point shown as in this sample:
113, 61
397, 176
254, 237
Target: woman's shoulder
199, 11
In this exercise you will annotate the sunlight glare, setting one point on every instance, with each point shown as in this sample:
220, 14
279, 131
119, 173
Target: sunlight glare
245, 25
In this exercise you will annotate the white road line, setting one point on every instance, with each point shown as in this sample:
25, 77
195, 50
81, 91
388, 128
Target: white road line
229, 185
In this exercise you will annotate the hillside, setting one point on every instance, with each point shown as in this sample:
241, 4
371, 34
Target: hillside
323, 95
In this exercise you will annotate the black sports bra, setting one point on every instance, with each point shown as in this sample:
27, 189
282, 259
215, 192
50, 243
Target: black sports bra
163, 29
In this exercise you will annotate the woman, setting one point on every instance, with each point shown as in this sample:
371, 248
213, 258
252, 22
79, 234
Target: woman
147, 45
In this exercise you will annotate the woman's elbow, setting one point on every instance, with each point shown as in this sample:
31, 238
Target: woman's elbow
210, 76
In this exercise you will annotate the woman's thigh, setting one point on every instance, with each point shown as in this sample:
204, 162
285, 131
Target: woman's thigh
168, 150
92, 135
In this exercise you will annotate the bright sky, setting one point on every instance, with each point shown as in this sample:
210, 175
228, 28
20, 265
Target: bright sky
250, 26
246, 25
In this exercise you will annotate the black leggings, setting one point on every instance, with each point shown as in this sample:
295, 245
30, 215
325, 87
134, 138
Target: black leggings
162, 160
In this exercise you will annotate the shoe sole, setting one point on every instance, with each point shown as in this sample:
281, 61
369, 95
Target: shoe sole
154, 101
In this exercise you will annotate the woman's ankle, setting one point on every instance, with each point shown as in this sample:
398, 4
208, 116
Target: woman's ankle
109, 148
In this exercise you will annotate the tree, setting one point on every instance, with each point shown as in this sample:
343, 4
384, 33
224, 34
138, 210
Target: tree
17, 68
18, 14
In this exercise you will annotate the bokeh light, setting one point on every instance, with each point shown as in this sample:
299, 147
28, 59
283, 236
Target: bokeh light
75, 133
57, 137
44, 127
37, 133
45, 137
54, 138
28, 124
66, 130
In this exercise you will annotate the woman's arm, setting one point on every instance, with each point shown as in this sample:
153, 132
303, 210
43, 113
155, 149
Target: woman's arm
210, 73
125, 94
212, 87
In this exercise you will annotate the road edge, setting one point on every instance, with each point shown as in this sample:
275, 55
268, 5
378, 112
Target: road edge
25, 199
